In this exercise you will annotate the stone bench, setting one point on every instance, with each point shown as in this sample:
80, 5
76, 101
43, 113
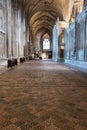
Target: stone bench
12, 62
22, 59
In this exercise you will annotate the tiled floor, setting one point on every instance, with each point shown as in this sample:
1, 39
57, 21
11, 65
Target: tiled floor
42, 95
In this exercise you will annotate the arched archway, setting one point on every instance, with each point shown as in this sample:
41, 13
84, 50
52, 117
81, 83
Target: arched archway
46, 46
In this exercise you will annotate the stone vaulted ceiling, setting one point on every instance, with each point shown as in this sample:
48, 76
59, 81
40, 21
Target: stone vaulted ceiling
42, 14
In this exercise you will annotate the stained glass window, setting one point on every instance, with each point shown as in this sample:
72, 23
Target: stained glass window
46, 44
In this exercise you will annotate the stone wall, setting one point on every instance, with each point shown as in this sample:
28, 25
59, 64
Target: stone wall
70, 41
3, 53
80, 36
76, 41
12, 30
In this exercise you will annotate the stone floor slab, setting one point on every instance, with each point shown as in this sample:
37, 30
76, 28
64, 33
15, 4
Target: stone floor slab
38, 92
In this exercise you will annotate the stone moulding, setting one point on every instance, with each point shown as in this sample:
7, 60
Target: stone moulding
80, 17
71, 27
80, 64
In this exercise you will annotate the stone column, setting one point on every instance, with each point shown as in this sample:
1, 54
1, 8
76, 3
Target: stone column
55, 42
14, 27
70, 41
9, 28
37, 42
23, 34
16, 30
12, 30
4, 55
22, 37
75, 45
27, 42
5, 28
31, 42
67, 43
1, 29
85, 8
19, 33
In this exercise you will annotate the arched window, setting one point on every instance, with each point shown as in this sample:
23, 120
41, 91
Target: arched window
46, 44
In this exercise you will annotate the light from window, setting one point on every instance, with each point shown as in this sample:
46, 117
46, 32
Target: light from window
46, 44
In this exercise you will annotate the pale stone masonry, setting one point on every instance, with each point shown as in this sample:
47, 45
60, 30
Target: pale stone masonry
78, 43
13, 27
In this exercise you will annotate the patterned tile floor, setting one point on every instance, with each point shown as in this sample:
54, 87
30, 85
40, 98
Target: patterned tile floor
42, 95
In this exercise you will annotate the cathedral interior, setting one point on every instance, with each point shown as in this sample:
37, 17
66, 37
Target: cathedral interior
43, 64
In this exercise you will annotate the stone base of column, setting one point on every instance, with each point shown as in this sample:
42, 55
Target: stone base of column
74, 56
3, 62
74, 63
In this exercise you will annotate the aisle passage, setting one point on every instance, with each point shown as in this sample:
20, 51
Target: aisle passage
43, 95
